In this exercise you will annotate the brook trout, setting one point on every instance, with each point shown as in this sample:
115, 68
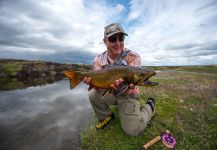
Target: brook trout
105, 77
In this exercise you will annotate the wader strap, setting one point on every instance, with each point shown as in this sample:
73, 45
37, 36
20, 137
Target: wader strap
120, 60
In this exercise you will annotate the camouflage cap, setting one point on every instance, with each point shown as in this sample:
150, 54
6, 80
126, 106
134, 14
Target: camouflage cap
113, 29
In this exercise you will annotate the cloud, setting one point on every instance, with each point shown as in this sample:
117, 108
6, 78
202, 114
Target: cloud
158, 30
71, 57
173, 32
54, 25
119, 8
51, 114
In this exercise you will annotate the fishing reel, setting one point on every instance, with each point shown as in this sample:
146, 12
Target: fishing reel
168, 140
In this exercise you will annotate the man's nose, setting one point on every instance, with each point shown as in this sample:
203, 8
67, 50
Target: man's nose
117, 43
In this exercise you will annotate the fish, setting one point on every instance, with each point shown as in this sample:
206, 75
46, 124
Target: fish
103, 78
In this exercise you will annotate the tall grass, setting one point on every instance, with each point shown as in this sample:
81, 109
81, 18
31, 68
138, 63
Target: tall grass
186, 105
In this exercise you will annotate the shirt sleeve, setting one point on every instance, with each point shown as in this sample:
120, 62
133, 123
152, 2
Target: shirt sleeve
133, 59
96, 64
136, 62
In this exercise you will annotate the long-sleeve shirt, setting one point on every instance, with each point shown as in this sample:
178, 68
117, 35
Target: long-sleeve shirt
130, 58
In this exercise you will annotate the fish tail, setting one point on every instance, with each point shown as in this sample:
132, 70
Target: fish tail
73, 77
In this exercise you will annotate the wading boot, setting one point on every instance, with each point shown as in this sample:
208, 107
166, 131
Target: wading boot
104, 122
151, 102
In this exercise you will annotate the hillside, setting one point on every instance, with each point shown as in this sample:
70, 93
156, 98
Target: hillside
25, 68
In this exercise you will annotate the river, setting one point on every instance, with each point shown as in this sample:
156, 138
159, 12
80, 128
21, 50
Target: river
46, 117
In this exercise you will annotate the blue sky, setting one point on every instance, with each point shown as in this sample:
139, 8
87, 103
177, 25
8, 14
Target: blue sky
163, 32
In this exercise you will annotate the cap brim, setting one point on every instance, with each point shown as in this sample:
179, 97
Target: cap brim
116, 33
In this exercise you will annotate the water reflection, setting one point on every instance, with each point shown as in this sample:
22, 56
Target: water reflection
43, 117
18, 83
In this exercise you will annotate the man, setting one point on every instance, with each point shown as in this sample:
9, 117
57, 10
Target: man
134, 118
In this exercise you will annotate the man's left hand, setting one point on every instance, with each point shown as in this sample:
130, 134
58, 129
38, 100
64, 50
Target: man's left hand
133, 90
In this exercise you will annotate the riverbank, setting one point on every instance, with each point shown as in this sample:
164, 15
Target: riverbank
25, 68
186, 105
17, 74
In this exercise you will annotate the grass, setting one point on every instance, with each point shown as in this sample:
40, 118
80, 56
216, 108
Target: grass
11, 69
186, 105
199, 69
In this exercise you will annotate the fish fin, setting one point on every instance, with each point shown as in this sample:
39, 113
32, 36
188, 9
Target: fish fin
73, 77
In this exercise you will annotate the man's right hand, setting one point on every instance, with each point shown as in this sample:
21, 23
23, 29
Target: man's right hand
118, 83
87, 80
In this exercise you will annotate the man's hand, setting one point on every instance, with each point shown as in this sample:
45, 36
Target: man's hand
118, 83
131, 89
87, 80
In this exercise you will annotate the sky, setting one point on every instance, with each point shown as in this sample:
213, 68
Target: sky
162, 32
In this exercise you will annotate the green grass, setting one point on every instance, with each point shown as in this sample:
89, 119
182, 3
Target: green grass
198, 69
186, 105
203, 69
11, 69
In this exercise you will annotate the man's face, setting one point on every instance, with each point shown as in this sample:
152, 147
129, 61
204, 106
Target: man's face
115, 43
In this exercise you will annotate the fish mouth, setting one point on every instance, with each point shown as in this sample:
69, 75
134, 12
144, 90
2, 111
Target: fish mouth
146, 82
149, 83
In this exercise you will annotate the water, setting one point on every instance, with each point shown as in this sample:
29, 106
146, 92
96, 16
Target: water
47, 117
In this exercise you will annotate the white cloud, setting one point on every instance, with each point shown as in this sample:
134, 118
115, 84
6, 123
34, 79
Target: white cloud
162, 32
68, 24
119, 8
170, 30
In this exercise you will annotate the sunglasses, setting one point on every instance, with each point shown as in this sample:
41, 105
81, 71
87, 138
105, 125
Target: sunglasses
113, 39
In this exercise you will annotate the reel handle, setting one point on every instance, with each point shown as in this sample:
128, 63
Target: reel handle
153, 141
150, 143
